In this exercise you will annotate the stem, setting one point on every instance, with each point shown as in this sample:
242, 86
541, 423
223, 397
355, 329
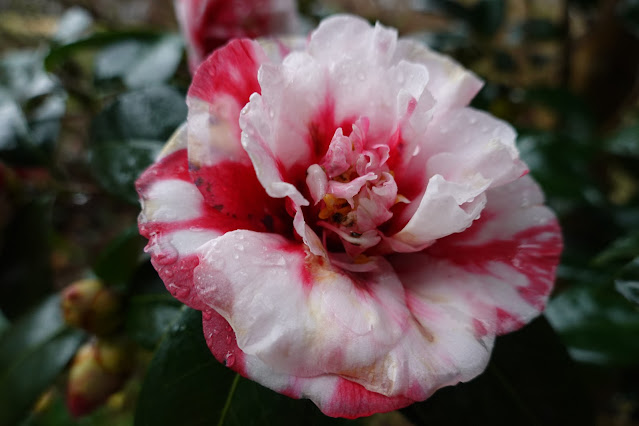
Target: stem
227, 404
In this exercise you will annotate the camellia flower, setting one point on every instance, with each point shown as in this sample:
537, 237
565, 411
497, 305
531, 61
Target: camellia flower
209, 24
351, 230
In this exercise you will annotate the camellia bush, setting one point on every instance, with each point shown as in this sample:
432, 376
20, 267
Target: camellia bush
321, 212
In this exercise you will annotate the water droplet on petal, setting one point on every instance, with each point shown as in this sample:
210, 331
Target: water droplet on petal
361, 76
229, 360
207, 315
473, 120
228, 339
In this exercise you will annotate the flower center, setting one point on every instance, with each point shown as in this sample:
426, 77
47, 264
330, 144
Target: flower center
354, 190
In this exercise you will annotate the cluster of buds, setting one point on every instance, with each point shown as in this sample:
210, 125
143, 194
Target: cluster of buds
102, 366
98, 370
90, 305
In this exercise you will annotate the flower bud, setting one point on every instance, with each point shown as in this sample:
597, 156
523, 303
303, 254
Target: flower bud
89, 305
99, 369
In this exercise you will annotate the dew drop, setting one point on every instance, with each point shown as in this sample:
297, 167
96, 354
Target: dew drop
229, 360
182, 292
207, 315
473, 120
228, 339
360, 76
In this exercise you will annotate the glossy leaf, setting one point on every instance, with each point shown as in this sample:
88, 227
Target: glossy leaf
530, 381
149, 316
120, 258
597, 324
622, 249
129, 133
38, 325
624, 142
59, 54
33, 352
627, 281
140, 63
186, 385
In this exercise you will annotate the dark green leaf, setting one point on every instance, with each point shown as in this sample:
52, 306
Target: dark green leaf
32, 354
148, 114
530, 381
118, 261
129, 133
118, 164
185, 385
624, 142
622, 249
148, 317
627, 282
30, 330
31, 374
597, 324
59, 54
139, 63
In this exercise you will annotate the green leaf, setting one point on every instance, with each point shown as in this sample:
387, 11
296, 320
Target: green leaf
140, 63
622, 249
118, 164
148, 317
59, 54
530, 381
32, 354
119, 260
30, 330
129, 133
624, 142
597, 324
32, 104
185, 385
627, 282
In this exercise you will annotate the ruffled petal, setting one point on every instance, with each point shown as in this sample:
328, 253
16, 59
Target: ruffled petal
501, 270
451, 85
221, 87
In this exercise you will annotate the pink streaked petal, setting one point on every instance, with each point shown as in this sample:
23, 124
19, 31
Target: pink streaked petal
466, 141
445, 208
221, 87
451, 85
177, 221
352, 319
334, 395
500, 270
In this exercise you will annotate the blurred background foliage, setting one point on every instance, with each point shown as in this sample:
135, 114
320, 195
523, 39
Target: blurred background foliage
89, 92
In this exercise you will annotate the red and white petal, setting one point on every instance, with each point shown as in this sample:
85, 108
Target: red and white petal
309, 330
221, 87
334, 395
451, 85
501, 270
466, 141
304, 317
445, 208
